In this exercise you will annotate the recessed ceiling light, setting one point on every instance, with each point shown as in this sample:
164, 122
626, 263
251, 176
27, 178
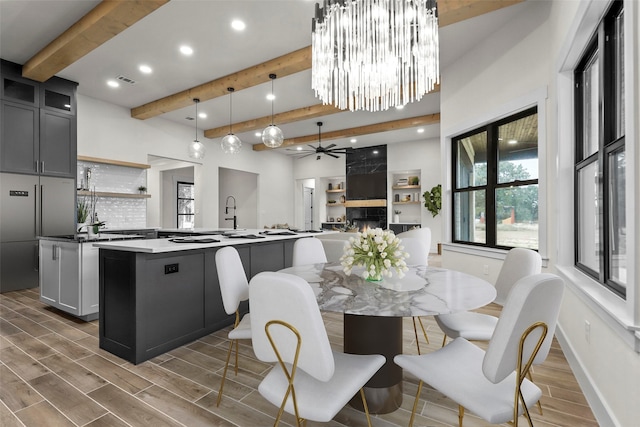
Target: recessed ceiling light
299, 148
375, 151
399, 107
420, 130
258, 134
353, 140
202, 115
145, 69
113, 83
513, 141
238, 25
271, 97
186, 50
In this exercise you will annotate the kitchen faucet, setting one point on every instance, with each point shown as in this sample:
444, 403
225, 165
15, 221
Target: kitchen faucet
226, 211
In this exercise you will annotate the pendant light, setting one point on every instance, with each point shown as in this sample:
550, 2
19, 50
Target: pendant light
230, 144
196, 148
272, 135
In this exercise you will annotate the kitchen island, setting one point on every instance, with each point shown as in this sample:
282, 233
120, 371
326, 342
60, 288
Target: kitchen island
158, 294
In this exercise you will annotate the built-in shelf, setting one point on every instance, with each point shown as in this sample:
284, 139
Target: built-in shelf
335, 204
340, 190
113, 162
406, 203
405, 187
112, 194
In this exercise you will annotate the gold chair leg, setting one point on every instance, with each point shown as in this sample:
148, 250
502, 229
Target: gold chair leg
460, 414
424, 331
224, 375
538, 403
366, 407
237, 345
415, 404
415, 332
444, 340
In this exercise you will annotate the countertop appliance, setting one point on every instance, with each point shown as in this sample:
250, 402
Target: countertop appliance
31, 206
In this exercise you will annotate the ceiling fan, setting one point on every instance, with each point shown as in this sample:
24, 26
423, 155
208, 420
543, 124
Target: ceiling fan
319, 150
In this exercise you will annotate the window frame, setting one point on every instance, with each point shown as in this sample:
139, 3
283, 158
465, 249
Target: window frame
178, 198
492, 184
601, 45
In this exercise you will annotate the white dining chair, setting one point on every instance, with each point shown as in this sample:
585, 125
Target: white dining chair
518, 263
333, 248
493, 384
417, 243
310, 380
234, 288
308, 250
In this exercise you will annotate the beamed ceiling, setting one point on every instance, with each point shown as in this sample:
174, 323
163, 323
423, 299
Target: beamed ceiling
90, 41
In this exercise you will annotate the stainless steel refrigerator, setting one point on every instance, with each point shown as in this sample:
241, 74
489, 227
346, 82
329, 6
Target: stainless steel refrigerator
30, 206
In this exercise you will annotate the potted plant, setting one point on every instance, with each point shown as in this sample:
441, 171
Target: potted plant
82, 213
433, 200
142, 189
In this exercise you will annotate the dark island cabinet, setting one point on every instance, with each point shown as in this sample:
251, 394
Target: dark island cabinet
39, 130
152, 303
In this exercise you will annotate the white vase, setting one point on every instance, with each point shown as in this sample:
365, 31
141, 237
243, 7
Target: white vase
396, 218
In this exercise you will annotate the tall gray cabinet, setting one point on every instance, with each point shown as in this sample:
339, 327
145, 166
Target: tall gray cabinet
38, 150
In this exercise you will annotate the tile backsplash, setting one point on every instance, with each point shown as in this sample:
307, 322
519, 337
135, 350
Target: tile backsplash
117, 212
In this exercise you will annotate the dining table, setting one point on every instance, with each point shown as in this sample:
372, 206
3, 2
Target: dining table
373, 313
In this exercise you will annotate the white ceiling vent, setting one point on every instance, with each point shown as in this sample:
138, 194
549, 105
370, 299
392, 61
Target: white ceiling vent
126, 80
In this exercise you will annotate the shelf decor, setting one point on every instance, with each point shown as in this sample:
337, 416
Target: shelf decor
378, 251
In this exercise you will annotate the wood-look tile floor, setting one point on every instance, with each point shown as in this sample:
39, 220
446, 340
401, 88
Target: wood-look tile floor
52, 373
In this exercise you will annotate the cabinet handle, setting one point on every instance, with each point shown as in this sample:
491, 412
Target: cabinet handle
36, 258
35, 210
42, 166
36, 164
54, 253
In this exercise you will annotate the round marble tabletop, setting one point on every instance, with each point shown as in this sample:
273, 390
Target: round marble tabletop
422, 291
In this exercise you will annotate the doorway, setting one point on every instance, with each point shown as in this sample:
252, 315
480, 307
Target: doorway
307, 195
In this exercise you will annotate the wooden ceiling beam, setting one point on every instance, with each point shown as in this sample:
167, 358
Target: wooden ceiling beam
449, 12
103, 22
284, 65
452, 11
428, 119
291, 116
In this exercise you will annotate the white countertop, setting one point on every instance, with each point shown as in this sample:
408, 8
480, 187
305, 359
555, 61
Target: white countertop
193, 242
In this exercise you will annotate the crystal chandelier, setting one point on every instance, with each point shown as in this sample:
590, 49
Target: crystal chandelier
374, 54
231, 143
196, 148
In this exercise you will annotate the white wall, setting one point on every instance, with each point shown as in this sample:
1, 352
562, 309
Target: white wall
169, 207
498, 77
243, 186
108, 131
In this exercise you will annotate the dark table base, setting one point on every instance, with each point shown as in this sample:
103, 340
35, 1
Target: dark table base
377, 335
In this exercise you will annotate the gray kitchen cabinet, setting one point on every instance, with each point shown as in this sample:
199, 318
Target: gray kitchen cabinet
69, 277
20, 138
38, 125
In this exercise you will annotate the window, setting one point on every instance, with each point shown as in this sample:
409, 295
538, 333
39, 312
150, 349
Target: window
186, 205
601, 244
495, 190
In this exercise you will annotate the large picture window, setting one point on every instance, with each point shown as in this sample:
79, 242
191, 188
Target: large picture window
495, 176
601, 244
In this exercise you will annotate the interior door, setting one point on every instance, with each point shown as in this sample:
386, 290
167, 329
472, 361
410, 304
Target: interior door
308, 207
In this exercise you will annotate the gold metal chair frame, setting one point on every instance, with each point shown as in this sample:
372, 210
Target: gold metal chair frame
415, 331
291, 374
521, 374
226, 366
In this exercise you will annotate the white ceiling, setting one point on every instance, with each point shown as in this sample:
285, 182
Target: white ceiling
274, 28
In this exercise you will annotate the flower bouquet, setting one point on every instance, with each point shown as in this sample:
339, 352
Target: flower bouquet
379, 251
